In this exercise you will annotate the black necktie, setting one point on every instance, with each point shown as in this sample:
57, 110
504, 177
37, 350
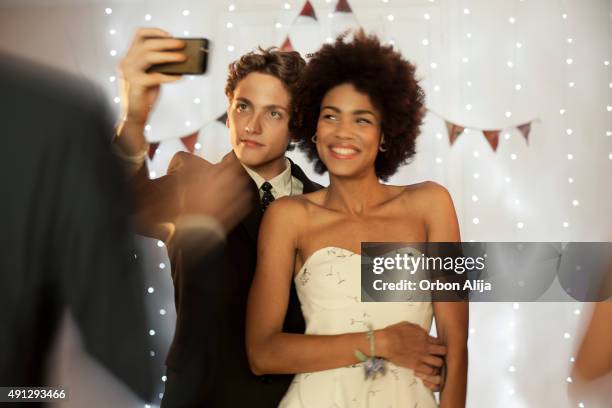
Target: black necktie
267, 197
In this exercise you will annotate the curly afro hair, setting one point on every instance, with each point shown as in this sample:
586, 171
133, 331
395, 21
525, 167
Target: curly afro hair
379, 72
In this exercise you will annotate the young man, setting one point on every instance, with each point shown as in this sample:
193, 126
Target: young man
207, 362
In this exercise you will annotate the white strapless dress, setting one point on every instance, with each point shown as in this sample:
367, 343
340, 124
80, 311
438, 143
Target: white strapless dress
328, 286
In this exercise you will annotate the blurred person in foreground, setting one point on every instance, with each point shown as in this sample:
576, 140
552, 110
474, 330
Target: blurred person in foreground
71, 303
207, 363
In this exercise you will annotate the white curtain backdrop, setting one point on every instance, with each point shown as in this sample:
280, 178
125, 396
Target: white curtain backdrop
483, 64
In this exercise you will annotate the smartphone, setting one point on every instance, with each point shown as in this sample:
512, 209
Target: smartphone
196, 63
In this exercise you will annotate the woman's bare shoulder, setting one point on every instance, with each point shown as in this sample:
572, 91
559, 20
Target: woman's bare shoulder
426, 191
296, 208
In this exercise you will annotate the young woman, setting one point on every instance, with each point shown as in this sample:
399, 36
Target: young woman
358, 115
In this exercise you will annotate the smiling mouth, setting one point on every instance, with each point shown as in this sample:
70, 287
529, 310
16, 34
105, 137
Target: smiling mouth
343, 152
250, 143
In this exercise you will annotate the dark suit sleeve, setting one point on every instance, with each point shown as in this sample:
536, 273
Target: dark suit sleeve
93, 249
197, 257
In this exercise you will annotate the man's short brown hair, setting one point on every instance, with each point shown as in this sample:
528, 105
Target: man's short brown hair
287, 66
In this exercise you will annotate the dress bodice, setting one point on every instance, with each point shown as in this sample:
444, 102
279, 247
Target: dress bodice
329, 289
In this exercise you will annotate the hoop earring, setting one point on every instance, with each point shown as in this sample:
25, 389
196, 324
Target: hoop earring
382, 145
314, 138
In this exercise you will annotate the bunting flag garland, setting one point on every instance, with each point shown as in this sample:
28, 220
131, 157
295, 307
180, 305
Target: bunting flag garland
287, 46
343, 7
308, 10
152, 150
222, 118
345, 20
492, 137
454, 131
525, 129
190, 140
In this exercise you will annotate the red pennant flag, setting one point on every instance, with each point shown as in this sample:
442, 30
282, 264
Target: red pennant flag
492, 137
153, 149
222, 118
525, 129
454, 131
287, 46
189, 141
308, 10
343, 7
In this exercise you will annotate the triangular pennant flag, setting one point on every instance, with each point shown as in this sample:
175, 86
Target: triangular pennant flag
153, 149
454, 131
222, 118
492, 137
189, 141
343, 7
308, 10
525, 129
287, 46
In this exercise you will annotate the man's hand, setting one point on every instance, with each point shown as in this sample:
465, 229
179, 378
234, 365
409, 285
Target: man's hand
139, 89
409, 345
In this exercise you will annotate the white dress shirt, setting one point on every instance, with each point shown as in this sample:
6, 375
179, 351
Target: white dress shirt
285, 184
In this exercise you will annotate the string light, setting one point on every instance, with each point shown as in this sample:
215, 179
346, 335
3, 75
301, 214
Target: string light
108, 11
231, 7
186, 13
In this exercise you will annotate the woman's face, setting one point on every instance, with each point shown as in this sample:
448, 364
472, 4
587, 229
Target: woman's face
348, 132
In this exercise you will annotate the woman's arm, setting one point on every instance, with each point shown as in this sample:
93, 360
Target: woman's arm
451, 317
271, 351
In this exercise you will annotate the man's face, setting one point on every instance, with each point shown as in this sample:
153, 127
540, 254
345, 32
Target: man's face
258, 120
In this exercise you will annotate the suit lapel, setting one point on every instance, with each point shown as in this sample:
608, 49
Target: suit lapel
308, 185
252, 221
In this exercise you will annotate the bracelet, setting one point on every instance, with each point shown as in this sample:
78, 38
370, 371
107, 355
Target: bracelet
136, 159
373, 366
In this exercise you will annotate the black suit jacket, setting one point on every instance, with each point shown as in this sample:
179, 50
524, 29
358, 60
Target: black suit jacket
65, 242
207, 361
